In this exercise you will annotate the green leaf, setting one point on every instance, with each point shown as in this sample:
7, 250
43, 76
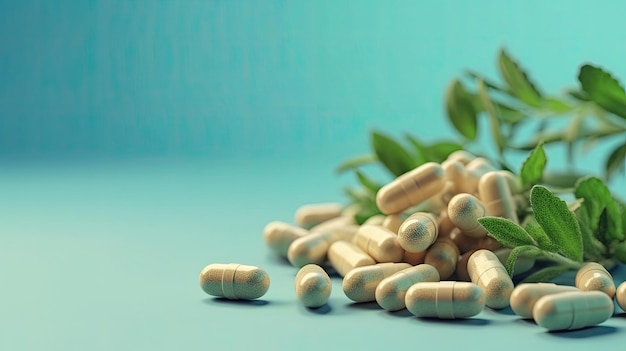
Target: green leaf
508, 114
536, 232
616, 161
506, 232
518, 81
597, 197
489, 84
532, 168
440, 151
510, 261
356, 162
556, 106
593, 248
421, 151
391, 154
545, 274
603, 89
460, 109
367, 182
578, 95
557, 221
493, 114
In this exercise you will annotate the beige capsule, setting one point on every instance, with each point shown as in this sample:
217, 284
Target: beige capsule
464, 211
333, 224
313, 248
444, 224
620, 296
379, 243
392, 222
523, 263
411, 188
593, 276
414, 258
474, 172
391, 291
572, 310
443, 255
462, 156
279, 235
344, 256
515, 185
234, 281
313, 286
360, 283
466, 243
455, 174
418, 232
445, 300
496, 196
310, 215
525, 296
486, 271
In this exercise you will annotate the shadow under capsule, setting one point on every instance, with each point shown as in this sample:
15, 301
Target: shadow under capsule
583, 333
371, 306
459, 321
224, 301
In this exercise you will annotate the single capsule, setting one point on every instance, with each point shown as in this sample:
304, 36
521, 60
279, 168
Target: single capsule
620, 296
443, 255
311, 215
313, 286
414, 258
313, 248
375, 220
486, 271
522, 265
279, 235
525, 296
593, 276
445, 300
572, 310
418, 232
379, 243
464, 211
392, 222
411, 188
344, 256
234, 281
462, 156
391, 291
496, 196
360, 283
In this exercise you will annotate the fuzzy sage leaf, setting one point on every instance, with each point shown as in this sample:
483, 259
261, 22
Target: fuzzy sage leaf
506, 232
603, 89
512, 259
532, 168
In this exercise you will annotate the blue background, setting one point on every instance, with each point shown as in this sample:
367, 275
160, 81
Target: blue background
142, 140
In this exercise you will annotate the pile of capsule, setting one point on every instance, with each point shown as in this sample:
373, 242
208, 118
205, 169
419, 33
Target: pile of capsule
427, 253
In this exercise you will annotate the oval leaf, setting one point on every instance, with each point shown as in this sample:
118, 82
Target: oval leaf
460, 110
603, 89
532, 168
596, 199
506, 232
616, 161
557, 221
541, 238
518, 81
391, 154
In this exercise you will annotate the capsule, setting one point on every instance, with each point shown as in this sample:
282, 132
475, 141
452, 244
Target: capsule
414, 258
375, 220
411, 188
310, 215
443, 255
495, 194
455, 174
418, 232
445, 224
473, 173
391, 291
312, 286
466, 243
379, 243
572, 310
522, 265
593, 276
333, 224
525, 296
360, 284
620, 296
234, 281
515, 185
392, 222
312, 248
344, 256
462, 156
464, 211
461, 273
279, 235
445, 300
486, 271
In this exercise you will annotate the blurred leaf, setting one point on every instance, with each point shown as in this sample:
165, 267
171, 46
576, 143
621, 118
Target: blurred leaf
578, 95
460, 110
421, 151
545, 274
367, 182
391, 154
593, 247
556, 105
489, 84
603, 89
510, 261
532, 168
541, 238
518, 81
616, 161
506, 232
440, 151
493, 114
597, 197
508, 114
557, 221
356, 162
561, 179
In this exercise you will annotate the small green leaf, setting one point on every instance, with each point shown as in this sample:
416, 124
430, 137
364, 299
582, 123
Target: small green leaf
518, 81
536, 232
556, 106
593, 248
616, 161
545, 274
460, 110
489, 84
367, 182
506, 232
356, 162
510, 261
532, 168
439, 151
557, 221
603, 89
493, 114
597, 197
391, 154
508, 114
